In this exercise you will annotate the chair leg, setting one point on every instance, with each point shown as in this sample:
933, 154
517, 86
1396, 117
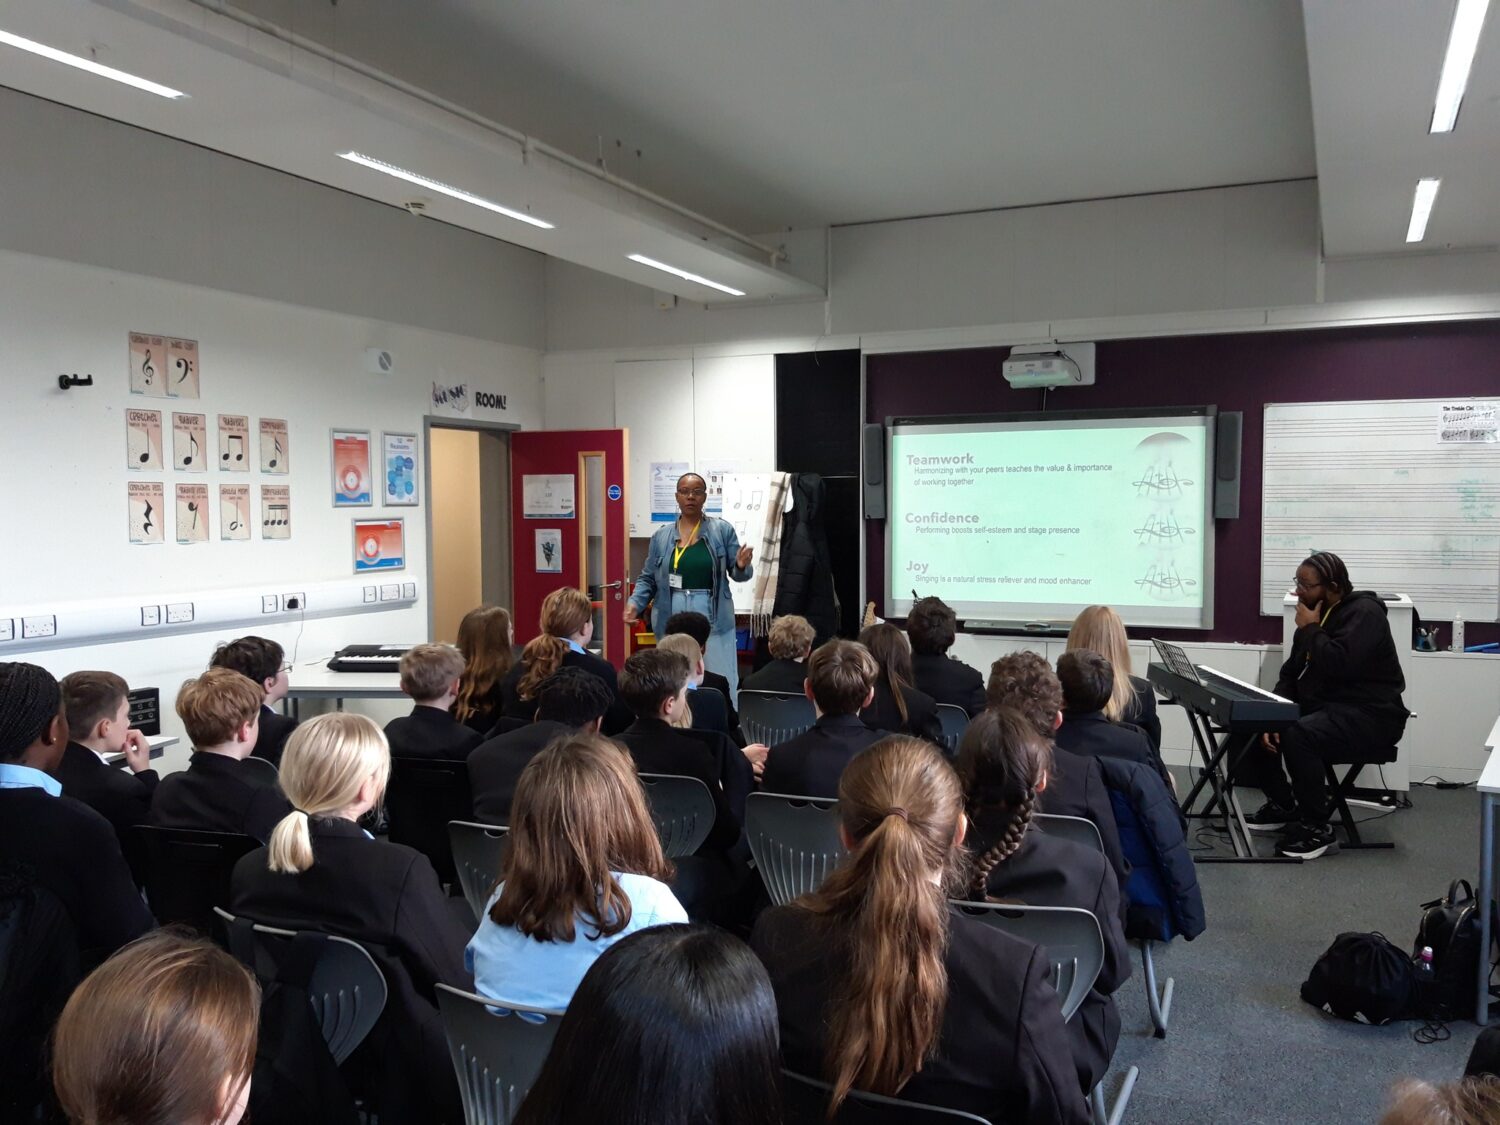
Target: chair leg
1160, 1004
1337, 791
1102, 1112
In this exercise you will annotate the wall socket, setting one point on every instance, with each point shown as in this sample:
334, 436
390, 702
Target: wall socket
390, 592
291, 602
150, 615
371, 593
179, 613
8, 628
269, 603
40, 626
408, 589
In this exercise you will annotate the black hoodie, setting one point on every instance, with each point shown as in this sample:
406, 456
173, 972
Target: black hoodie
1348, 659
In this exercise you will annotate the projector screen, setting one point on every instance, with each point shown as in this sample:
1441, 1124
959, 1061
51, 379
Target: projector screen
1028, 518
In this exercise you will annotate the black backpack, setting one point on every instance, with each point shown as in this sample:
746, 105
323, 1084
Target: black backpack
1451, 926
1362, 977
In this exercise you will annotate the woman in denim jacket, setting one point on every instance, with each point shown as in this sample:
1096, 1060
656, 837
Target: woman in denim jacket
688, 569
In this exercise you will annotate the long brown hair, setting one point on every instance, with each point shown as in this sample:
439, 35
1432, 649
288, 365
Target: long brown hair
887, 644
1099, 628
579, 814
901, 806
565, 611
484, 640
1001, 762
542, 657
165, 1030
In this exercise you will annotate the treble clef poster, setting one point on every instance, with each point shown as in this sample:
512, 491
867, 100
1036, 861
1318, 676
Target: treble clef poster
182, 368
146, 518
148, 365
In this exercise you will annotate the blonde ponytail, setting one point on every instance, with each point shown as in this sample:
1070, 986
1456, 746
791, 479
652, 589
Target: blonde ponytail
326, 761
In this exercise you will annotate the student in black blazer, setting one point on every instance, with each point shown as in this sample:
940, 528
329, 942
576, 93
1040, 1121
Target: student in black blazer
569, 700
897, 706
218, 792
840, 681
567, 628
1087, 679
989, 1039
708, 708
98, 710
486, 644
1003, 763
323, 872
263, 662
70, 848
790, 644
430, 675
696, 625
1131, 699
931, 627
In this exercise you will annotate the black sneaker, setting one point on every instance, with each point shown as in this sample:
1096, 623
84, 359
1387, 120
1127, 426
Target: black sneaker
1270, 817
1310, 843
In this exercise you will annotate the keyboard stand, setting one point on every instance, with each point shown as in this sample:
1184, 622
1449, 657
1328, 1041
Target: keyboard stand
1221, 755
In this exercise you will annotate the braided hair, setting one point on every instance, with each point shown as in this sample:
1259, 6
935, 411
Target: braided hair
29, 700
1331, 570
1002, 763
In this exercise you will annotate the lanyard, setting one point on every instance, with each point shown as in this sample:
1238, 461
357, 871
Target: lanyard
677, 552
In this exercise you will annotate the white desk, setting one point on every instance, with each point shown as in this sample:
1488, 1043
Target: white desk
158, 743
314, 680
1489, 797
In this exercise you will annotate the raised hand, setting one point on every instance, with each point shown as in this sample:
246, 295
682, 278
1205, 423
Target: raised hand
742, 559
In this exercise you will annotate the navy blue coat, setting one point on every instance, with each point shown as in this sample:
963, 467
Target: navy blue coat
1163, 899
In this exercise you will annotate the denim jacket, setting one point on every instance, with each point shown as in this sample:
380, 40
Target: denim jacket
723, 544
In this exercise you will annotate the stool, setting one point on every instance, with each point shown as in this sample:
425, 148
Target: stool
1338, 794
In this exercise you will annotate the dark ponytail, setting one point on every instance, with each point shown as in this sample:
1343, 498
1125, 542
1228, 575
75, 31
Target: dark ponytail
1002, 762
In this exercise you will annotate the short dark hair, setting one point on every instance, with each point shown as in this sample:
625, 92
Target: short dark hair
255, 657
650, 678
931, 626
90, 697
841, 674
1025, 681
1087, 678
694, 624
689, 1006
572, 697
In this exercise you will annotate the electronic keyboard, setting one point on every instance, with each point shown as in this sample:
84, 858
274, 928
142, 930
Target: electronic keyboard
368, 658
1227, 701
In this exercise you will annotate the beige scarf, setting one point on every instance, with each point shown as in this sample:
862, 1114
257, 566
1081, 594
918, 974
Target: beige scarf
768, 556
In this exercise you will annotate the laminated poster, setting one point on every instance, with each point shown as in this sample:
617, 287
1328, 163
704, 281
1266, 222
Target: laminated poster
275, 511
234, 512
234, 443
379, 545
399, 460
275, 447
190, 442
182, 368
192, 513
146, 516
143, 440
549, 550
148, 365
350, 458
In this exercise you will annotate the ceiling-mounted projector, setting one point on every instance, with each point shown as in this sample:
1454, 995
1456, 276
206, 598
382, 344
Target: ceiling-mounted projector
1051, 365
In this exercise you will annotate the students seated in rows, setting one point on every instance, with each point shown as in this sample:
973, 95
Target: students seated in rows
882, 986
263, 662
931, 627
567, 627
486, 643
790, 644
1131, 699
897, 705
570, 701
1003, 764
1075, 786
583, 868
98, 724
696, 625
64, 845
707, 709
431, 675
840, 682
678, 1027
165, 1030
323, 872
1087, 680
218, 792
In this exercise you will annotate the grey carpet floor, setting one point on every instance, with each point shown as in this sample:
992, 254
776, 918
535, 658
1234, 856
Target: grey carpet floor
1242, 1047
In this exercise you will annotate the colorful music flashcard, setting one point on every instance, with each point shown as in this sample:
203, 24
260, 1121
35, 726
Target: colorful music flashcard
146, 515
182, 368
379, 545
143, 439
234, 511
190, 442
275, 511
275, 447
234, 443
148, 365
350, 455
192, 513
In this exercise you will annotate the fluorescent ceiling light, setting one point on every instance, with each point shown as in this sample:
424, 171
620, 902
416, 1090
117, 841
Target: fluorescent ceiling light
1421, 208
443, 189
1463, 41
654, 264
89, 65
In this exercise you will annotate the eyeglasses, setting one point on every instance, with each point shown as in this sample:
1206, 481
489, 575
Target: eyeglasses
1301, 585
690, 492
285, 667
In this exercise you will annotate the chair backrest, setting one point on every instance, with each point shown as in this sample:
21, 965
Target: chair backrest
39, 966
423, 796
771, 718
807, 1104
253, 764
347, 989
683, 810
1071, 936
478, 852
795, 842
1077, 829
954, 720
186, 872
497, 1052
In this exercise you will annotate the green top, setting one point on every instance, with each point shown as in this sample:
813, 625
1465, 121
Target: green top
697, 567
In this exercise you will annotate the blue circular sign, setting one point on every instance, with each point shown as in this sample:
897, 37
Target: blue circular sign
614, 492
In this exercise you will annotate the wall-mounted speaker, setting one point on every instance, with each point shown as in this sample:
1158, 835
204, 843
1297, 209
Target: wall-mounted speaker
872, 470
1227, 439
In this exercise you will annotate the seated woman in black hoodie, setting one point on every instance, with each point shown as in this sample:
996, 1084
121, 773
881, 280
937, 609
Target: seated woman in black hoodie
1345, 675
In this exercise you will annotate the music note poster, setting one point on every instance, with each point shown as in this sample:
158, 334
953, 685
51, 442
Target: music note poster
192, 513
190, 442
275, 511
146, 515
148, 365
350, 457
399, 478
379, 545
234, 511
234, 443
182, 368
275, 447
143, 439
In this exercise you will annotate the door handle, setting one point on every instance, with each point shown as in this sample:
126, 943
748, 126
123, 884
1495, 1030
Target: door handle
615, 585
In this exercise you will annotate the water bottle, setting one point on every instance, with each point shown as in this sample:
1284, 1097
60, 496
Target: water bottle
1424, 966
1458, 633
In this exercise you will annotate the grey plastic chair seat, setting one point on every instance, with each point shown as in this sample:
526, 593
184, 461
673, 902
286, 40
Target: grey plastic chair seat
186, 872
794, 840
478, 855
496, 1052
1077, 829
683, 810
772, 718
954, 721
1071, 936
807, 1104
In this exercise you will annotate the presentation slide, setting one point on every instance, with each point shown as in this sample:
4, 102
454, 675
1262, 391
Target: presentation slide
1029, 518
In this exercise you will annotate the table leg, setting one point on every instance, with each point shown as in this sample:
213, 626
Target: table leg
1486, 896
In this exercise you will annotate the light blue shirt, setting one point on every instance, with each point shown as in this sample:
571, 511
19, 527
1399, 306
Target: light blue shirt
576, 647
16, 776
508, 965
